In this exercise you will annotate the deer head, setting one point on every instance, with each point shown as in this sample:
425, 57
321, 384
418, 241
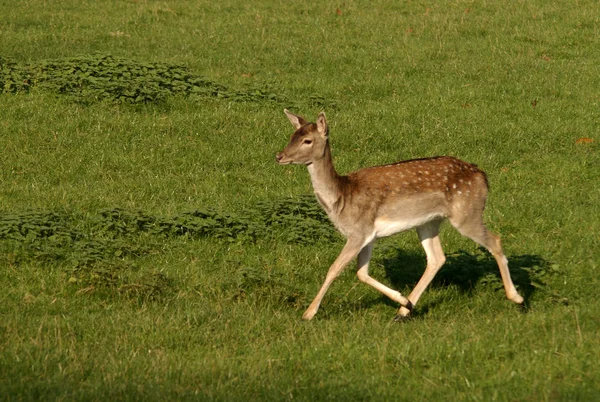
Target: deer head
309, 142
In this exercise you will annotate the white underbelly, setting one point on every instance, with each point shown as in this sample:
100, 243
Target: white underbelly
387, 227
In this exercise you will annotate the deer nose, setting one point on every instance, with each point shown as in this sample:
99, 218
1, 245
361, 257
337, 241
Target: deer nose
279, 156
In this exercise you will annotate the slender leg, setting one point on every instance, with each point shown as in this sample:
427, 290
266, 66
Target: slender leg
430, 240
350, 250
476, 231
363, 275
509, 287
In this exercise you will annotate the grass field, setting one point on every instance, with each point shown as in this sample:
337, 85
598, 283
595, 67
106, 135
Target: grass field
152, 249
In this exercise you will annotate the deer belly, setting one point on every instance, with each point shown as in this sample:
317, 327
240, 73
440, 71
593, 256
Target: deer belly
386, 226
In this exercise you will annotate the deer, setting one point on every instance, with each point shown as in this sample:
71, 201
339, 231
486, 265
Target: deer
380, 201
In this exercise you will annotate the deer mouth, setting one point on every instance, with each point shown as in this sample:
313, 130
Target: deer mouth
282, 159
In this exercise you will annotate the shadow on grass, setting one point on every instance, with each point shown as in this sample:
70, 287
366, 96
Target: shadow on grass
466, 270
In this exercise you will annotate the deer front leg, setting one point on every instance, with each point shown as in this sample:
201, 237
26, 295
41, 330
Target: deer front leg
350, 250
363, 275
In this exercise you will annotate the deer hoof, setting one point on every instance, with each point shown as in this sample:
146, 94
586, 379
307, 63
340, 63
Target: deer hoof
517, 299
308, 315
402, 318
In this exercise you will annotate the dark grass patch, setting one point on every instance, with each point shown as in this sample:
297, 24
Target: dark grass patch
100, 77
101, 251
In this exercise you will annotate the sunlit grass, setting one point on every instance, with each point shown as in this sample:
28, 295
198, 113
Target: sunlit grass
510, 87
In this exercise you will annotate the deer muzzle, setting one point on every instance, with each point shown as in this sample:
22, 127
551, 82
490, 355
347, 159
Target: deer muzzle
281, 159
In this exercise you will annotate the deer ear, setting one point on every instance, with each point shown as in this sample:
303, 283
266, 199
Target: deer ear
322, 125
296, 120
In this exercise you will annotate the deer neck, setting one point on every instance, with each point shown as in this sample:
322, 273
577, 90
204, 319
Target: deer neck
325, 180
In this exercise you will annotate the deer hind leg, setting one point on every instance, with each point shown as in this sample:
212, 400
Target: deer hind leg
474, 229
430, 240
363, 275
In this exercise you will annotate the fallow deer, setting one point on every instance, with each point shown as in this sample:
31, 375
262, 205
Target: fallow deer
383, 200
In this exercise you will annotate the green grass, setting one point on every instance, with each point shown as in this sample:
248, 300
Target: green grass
113, 289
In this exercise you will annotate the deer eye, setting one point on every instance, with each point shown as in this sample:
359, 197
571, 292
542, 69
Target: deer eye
307, 142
